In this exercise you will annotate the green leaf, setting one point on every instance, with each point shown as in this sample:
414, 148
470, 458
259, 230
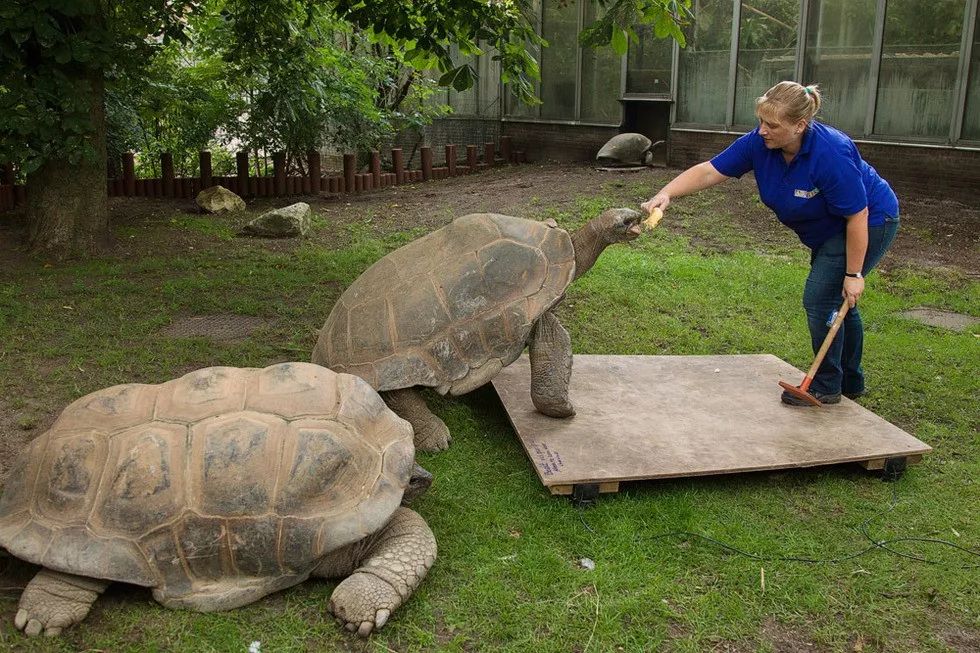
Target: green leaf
620, 41
460, 78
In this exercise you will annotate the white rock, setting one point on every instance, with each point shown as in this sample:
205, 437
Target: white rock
218, 199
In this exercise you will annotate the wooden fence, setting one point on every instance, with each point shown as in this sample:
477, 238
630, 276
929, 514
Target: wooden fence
349, 180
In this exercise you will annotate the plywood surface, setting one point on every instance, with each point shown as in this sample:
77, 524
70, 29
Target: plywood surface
646, 417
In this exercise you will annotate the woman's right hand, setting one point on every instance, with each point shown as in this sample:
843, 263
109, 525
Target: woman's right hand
661, 200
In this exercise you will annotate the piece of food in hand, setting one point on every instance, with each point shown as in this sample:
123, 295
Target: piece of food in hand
653, 218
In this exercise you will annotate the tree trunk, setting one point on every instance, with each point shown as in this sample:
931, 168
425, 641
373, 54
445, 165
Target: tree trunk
67, 203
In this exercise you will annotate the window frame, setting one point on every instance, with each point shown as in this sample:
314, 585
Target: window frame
965, 67
506, 116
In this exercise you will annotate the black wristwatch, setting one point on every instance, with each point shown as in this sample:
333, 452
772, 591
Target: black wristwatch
854, 275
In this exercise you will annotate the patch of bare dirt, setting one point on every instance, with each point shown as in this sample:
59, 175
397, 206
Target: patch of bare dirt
217, 327
935, 232
956, 637
19, 426
786, 639
962, 641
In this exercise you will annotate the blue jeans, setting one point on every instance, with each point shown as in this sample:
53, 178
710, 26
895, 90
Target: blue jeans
840, 370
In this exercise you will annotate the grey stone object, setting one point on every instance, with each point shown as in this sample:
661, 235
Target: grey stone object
216, 489
287, 222
218, 199
942, 319
450, 310
626, 150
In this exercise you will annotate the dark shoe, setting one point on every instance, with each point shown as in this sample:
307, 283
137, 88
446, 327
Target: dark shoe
819, 396
855, 395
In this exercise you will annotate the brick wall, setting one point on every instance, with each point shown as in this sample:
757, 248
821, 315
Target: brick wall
688, 148
939, 172
446, 131
943, 173
542, 141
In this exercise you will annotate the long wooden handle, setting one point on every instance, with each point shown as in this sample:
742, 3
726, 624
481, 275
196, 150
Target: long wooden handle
841, 314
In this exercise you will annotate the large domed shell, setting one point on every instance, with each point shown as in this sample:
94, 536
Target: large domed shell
438, 310
628, 149
222, 472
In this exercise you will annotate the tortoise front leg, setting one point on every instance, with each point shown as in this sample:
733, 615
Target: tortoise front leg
551, 367
52, 601
431, 433
393, 565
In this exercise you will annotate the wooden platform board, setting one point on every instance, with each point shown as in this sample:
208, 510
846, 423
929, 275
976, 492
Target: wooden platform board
650, 417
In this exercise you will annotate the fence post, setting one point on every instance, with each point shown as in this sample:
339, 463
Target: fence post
241, 165
350, 161
451, 160
7, 197
167, 173
279, 173
505, 149
489, 153
426, 162
471, 158
375, 169
129, 174
398, 164
204, 158
313, 167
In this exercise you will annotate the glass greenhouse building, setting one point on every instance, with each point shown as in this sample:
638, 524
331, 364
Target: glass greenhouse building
894, 74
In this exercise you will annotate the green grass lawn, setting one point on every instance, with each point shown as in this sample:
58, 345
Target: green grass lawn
508, 574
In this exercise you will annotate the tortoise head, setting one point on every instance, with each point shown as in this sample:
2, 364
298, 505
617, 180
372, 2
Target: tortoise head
609, 227
417, 484
617, 225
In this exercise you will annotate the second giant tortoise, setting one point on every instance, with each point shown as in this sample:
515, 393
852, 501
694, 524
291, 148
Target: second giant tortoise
628, 149
451, 309
216, 489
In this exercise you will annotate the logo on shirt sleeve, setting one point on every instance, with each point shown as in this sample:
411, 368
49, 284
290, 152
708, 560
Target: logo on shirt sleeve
805, 194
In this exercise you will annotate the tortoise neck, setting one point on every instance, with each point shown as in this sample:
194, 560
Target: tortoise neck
588, 246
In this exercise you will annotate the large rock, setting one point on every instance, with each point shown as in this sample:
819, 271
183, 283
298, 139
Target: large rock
218, 199
293, 220
626, 150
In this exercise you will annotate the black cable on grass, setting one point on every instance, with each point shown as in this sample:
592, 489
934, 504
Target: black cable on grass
884, 545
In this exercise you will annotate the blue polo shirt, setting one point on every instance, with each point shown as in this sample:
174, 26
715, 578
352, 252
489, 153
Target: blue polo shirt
826, 181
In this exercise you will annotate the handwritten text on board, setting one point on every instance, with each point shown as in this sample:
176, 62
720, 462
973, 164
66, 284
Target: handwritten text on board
548, 461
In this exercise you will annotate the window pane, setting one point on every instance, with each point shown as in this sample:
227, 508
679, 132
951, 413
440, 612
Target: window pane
648, 63
918, 67
602, 70
514, 106
559, 60
464, 103
766, 52
489, 83
971, 119
438, 96
838, 57
702, 78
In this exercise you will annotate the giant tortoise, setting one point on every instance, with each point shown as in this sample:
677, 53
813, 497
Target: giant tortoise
216, 489
451, 309
627, 150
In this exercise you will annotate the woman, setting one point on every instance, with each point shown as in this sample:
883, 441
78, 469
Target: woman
812, 176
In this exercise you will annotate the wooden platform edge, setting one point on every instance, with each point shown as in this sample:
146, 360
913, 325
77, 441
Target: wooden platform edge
879, 463
564, 489
872, 464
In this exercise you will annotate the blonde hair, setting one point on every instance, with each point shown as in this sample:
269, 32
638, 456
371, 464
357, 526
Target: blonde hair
789, 101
